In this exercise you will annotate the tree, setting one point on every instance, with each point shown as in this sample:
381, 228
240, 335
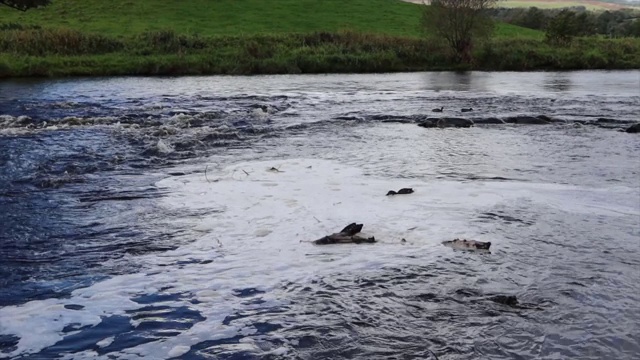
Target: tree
24, 5
562, 28
534, 19
632, 27
585, 24
459, 23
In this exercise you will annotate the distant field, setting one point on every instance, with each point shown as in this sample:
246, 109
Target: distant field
555, 4
234, 17
552, 4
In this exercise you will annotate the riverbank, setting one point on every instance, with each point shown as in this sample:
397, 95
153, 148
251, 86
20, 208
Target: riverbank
64, 52
92, 38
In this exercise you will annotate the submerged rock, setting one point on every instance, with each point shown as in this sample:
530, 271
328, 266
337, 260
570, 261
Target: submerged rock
603, 120
633, 129
509, 300
427, 123
349, 118
526, 120
492, 120
550, 119
454, 122
445, 122
346, 236
401, 119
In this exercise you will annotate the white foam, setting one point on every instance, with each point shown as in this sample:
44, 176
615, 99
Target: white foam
258, 232
163, 147
178, 350
105, 342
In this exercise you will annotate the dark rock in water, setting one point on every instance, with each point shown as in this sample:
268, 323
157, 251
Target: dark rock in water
509, 300
445, 122
263, 107
74, 307
351, 118
399, 121
216, 136
550, 119
464, 244
346, 236
528, 120
633, 129
454, 122
613, 121
466, 109
401, 191
489, 121
24, 120
402, 119
428, 123
438, 110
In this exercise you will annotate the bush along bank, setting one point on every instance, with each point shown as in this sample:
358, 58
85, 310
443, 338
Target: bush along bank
36, 51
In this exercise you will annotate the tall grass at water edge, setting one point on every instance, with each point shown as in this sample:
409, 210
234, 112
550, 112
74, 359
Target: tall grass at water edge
65, 52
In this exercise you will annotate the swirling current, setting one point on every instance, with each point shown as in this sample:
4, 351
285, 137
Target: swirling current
167, 218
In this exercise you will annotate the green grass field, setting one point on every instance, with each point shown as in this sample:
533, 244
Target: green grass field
174, 37
233, 17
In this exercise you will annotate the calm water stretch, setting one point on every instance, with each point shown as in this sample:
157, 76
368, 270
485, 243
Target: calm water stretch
163, 218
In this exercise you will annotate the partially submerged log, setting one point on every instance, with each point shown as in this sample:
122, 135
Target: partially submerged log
346, 236
463, 244
401, 191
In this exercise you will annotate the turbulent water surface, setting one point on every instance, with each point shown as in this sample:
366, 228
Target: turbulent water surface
172, 217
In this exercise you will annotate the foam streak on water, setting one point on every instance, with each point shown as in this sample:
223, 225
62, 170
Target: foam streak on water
195, 209
252, 240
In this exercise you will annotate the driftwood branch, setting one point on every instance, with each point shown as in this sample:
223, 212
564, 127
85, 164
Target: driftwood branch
345, 236
463, 244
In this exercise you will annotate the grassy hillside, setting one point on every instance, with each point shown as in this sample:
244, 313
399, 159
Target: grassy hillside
233, 17
180, 37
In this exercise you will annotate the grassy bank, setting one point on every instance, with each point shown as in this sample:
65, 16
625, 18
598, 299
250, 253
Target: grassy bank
50, 53
230, 17
257, 37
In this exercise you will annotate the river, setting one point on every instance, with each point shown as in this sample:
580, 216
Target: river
173, 217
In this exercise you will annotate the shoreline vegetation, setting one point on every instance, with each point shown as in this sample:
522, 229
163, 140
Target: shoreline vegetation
45, 43
64, 52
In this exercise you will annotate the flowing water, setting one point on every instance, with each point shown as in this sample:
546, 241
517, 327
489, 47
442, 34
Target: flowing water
173, 217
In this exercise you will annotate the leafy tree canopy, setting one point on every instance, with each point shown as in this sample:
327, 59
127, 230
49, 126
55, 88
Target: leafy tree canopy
24, 5
459, 23
562, 28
